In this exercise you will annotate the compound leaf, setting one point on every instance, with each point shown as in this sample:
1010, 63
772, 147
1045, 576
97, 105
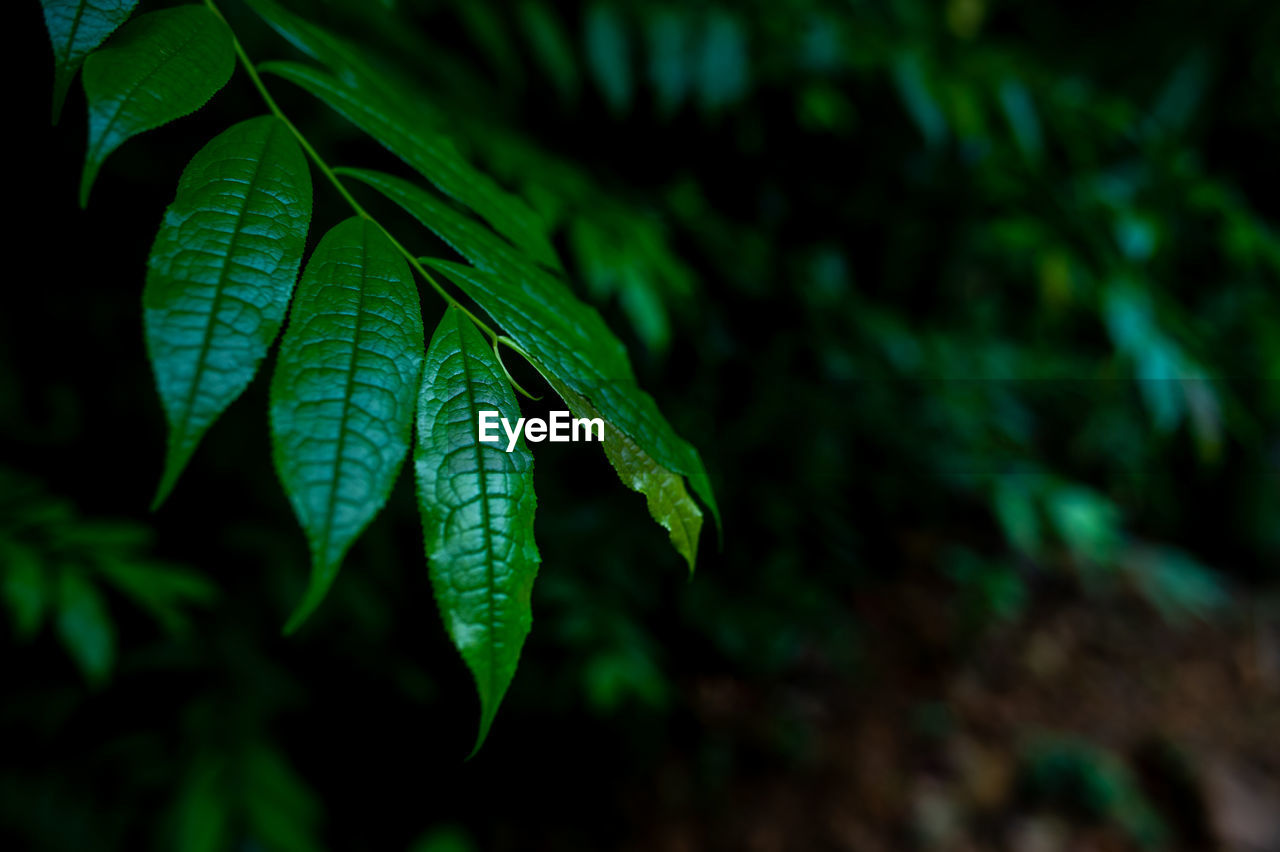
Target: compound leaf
477, 504
343, 392
160, 67
76, 27
388, 108
220, 275
408, 135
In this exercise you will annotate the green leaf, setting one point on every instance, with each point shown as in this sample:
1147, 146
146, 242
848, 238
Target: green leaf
488, 30
613, 267
609, 55
465, 235
919, 95
1087, 522
343, 391
1020, 110
566, 339
1015, 509
85, 626
550, 46
342, 58
670, 58
477, 504
220, 275
553, 304
76, 27
669, 503
1176, 584
723, 65
200, 818
444, 838
23, 587
163, 590
283, 813
395, 124
160, 67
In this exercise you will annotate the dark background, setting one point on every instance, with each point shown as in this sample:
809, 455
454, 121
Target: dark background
972, 310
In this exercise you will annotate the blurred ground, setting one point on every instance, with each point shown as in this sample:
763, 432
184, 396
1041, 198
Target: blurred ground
986, 750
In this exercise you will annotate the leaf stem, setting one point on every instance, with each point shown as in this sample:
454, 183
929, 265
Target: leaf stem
328, 172
497, 353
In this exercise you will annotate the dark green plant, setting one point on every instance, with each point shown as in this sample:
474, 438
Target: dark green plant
1015, 265
55, 566
1094, 782
349, 376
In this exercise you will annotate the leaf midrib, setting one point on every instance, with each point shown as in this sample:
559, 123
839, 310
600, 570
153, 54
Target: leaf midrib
220, 285
348, 385
151, 72
672, 505
420, 151
483, 476
71, 36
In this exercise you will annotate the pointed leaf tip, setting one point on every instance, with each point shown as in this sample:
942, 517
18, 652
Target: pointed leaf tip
322, 577
61, 84
76, 28
477, 503
160, 67
664, 491
486, 722
87, 177
343, 390
220, 274
164, 488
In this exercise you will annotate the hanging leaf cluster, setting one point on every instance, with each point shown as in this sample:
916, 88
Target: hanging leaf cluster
355, 383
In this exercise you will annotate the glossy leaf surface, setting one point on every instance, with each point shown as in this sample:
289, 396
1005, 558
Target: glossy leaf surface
343, 392
75, 28
570, 343
160, 67
398, 128
220, 275
664, 491
477, 503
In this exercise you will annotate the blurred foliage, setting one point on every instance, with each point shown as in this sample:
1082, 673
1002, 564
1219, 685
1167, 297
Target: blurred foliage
1095, 783
979, 290
56, 566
